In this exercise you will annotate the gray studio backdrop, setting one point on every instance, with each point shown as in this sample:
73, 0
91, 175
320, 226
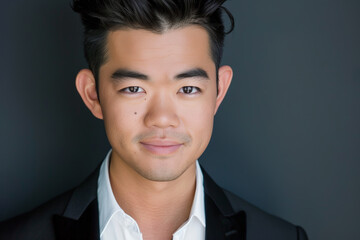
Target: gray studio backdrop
287, 137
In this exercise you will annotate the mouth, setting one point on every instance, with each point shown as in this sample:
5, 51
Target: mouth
160, 147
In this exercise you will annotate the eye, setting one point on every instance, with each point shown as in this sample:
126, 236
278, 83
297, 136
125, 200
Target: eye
189, 90
132, 89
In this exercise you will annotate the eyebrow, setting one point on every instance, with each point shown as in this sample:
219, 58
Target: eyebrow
124, 73
196, 72
121, 74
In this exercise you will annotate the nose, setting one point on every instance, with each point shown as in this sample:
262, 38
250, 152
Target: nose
161, 112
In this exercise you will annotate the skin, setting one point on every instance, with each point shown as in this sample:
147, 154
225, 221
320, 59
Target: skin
158, 115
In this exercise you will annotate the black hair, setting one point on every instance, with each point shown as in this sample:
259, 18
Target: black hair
101, 16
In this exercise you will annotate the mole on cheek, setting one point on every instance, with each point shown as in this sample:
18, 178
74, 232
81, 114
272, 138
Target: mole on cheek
135, 113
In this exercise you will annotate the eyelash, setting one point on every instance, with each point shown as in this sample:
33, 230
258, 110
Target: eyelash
191, 89
188, 90
130, 90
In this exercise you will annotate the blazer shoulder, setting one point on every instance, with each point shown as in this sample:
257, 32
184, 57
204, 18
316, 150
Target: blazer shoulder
37, 223
262, 225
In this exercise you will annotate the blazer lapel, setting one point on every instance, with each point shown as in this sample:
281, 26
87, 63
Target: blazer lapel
81, 217
86, 227
222, 222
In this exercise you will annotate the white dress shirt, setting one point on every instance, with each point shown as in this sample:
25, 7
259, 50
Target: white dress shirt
115, 224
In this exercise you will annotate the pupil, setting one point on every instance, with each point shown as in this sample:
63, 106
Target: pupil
187, 89
134, 89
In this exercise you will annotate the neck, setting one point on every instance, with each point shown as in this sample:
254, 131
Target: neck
153, 203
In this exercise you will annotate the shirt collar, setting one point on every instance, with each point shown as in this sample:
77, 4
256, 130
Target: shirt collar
198, 206
108, 206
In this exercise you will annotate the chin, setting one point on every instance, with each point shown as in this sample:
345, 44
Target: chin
160, 176
162, 172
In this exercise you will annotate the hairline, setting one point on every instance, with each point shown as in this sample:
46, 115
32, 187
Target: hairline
162, 30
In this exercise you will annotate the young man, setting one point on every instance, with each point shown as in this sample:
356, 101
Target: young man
156, 81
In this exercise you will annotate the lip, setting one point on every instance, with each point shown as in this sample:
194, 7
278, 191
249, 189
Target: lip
161, 147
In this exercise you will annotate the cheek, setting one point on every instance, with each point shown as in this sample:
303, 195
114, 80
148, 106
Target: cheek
200, 131
199, 121
120, 121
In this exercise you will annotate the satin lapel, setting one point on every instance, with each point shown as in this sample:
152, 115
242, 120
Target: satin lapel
81, 217
222, 222
86, 227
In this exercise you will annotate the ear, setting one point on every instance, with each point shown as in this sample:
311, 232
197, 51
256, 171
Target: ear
225, 75
86, 87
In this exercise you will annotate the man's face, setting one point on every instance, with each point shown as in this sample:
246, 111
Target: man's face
158, 98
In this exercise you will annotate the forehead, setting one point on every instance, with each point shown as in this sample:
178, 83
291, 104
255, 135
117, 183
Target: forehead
137, 47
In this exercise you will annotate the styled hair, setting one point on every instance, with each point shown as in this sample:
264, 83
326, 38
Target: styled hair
101, 16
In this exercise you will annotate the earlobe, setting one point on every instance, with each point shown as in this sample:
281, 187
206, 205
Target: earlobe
86, 87
225, 76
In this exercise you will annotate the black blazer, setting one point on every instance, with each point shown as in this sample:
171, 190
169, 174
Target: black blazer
74, 215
